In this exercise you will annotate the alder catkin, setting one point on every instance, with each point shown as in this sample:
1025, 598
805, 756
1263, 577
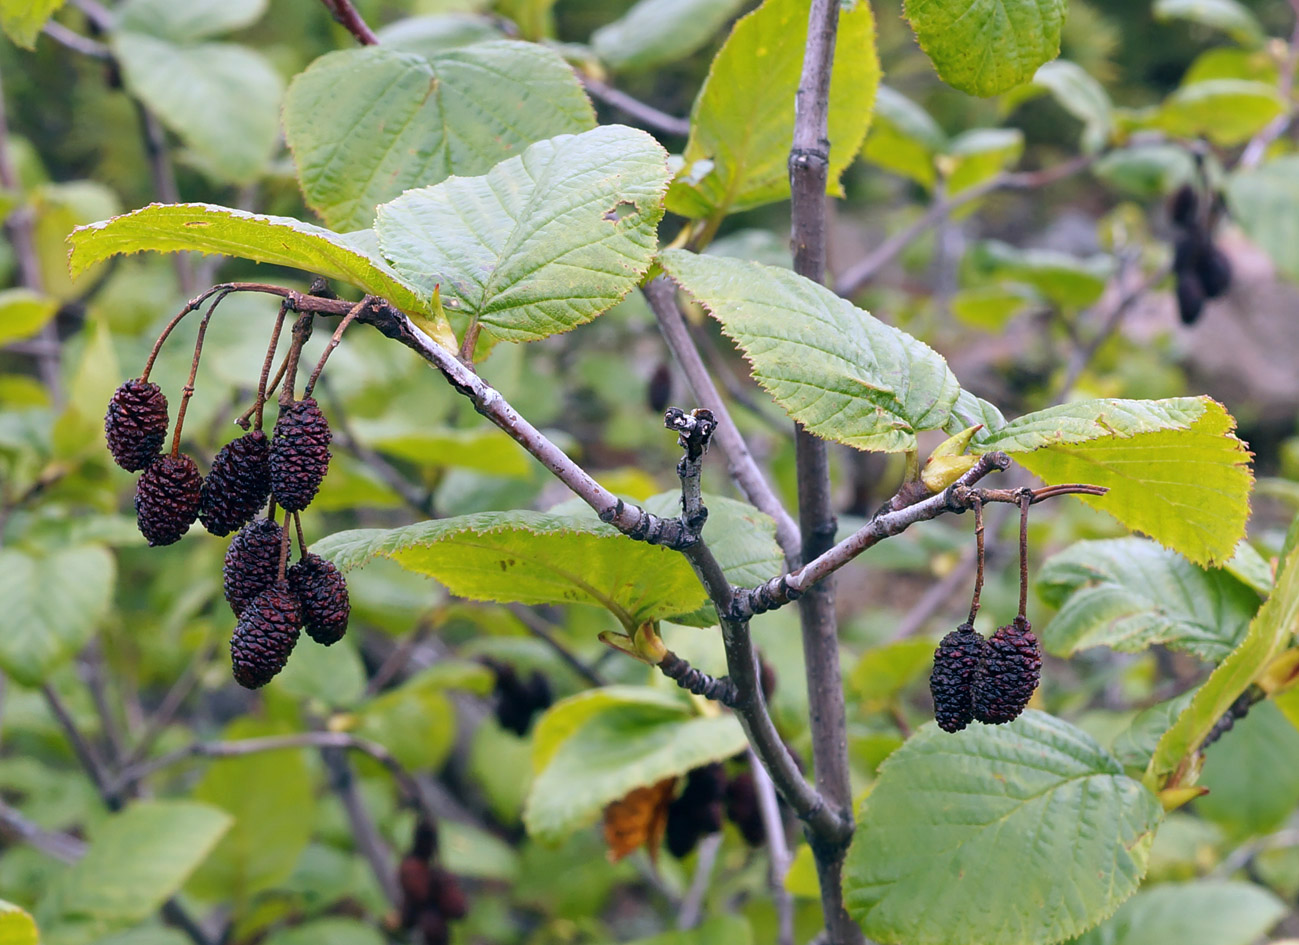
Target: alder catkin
136, 424
252, 562
322, 594
957, 662
265, 636
1009, 674
167, 499
238, 484
299, 454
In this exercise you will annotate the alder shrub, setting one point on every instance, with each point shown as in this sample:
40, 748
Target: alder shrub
642, 628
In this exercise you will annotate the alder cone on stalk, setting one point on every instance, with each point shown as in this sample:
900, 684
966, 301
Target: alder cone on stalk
1009, 674
743, 810
956, 666
299, 454
166, 499
446, 896
434, 928
698, 811
415, 879
265, 635
136, 424
516, 700
238, 484
322, 595
252, 562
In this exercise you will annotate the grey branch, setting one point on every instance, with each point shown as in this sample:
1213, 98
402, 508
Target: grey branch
646, 115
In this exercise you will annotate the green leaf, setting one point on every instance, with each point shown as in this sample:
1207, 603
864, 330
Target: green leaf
1129, 594
1265, 202
1081, 96
719, 930
222, 99
136, 860
1229, 16
837, 370
1250, 568
1240, 800
1134, 746
979, 155
281, 241
544, 241
738, 153
271, 827
991, 307
884, 671
1174, 468
23, 20
329, 931
23, 313
416, 720
986, 47
1068, 281
1146, 170
16, 926
485, 449
654, 32
558, 724
1226, 111
414, 121
1269, 634
532, 558
801, 879
1006, 835
52, 606
903, 137
190, 21
615, 750
1204, 912
431, 35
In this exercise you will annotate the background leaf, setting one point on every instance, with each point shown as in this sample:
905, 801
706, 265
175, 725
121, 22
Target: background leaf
17, 927
837, 370
1230, 17
22, 20
744, 137
986, 47
189, 21
1205, 912
952, 817
52, 604
1265, 202
1130, 593
653, 32
532, 558
544, 241
414, 120
23, 313
1263, 742
1227, 111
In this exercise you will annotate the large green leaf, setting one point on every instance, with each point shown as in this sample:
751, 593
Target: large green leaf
1227, 111
738, 153
1238, 798
1174, 468
544, 241
657, 31
532, 558
1269, 634
414, 121
52, 605
840, 372
222, 99
1008, 835
271, 826
23, 313
136, 860
986, 47
282, 241
1265, 202
615, 749
1130, 593
189, 21
1229, 16
1204, 912
23, 20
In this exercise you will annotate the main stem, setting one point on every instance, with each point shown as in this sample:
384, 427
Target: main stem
809, 163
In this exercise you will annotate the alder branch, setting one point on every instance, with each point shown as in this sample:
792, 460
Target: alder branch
857, 276
777, 851
61, 846
1258, 145
645, 114
744, 469
719, 689
345, 14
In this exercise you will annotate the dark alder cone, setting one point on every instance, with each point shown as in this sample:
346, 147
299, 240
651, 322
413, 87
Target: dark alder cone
238, 484
424, 842
264, 636
698, 811
166, 499
956, 664
1190, 297
416, 882
1009, 674
322, 594
1214, 271
1183, 205
446, 896
742, 809
299, 454
252, 562
136, 424
517, 701
659, 390
434, 928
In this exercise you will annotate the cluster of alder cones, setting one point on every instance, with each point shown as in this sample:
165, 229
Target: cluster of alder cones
1201, 270
431, 896
272, 601
989, 680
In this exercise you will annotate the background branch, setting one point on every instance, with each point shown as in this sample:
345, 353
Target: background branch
646, 115
346, 15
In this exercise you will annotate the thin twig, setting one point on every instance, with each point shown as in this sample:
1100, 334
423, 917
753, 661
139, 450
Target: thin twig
259, 405
81, 747
542, 630
1258, 145
61, 846
75, 41
777, 851
397, 659
644, 114
368, 841
697, 681
346, 15
188, 391
692, 903
170, 704
331, 345
978, 559
857, 276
